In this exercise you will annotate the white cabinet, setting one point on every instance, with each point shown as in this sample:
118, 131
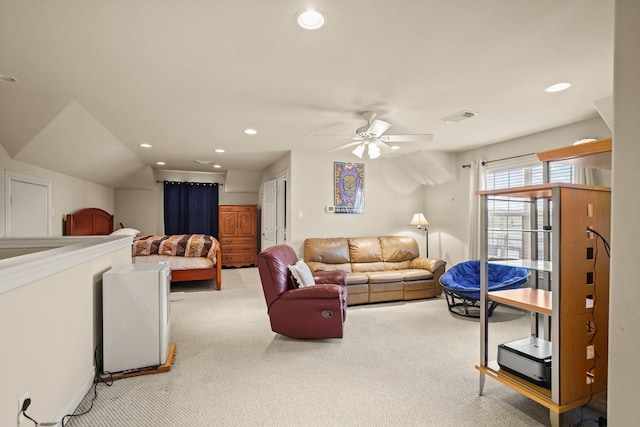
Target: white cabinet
135, 316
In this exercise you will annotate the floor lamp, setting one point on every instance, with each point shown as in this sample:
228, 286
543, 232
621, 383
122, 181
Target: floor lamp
419, 220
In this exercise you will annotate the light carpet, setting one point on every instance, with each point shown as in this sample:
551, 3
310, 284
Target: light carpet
399, 364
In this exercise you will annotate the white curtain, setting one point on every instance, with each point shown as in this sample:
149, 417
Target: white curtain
584, 176
476, 183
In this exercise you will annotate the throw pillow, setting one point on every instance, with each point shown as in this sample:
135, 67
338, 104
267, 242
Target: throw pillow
302, 274
125, 232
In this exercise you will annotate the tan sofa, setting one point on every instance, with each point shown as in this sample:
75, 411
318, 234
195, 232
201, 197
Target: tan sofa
385, 268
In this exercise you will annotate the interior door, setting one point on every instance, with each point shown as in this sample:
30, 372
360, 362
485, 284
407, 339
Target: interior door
269, 226
27, 203
281, 208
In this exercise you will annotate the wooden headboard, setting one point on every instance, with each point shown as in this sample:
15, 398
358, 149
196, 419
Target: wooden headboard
88, 222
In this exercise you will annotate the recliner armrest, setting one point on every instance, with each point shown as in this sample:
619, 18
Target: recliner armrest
317, 291
336, 277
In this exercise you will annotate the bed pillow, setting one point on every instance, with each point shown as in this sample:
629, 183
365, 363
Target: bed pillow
125, 232
302, 274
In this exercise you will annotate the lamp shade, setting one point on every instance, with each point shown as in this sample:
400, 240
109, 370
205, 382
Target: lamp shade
418, 219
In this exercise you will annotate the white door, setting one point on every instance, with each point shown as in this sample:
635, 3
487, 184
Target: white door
27, 202
269, 191
281, 208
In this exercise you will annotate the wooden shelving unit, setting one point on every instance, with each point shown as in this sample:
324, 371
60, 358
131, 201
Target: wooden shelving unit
575, 309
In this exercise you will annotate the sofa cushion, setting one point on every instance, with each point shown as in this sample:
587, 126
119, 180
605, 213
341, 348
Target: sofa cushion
357, 278
416, 274
385, 276
398, 248
364, 267
402, 265
321, 266
364, 249
327, 250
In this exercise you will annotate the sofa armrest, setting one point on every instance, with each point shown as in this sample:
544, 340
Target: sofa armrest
317, 291
434, 265
431, 264
336, 277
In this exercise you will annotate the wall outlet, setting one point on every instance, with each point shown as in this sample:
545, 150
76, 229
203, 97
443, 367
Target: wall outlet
21, 417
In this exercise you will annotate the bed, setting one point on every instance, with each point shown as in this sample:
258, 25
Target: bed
191, 257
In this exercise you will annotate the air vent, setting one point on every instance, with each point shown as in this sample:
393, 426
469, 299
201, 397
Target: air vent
457, 117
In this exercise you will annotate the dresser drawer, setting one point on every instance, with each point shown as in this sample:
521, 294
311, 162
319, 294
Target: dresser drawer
224, 241
237, 260
242, 249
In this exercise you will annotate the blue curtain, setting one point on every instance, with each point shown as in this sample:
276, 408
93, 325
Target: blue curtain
190, 208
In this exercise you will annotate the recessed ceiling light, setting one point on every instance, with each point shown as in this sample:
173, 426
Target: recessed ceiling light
145, 145
160, 163
310, 19
7, 78
395, 147
558, 87
217, 166
219, 150
250, 131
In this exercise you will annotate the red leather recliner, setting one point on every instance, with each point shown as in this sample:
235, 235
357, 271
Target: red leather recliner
310, 312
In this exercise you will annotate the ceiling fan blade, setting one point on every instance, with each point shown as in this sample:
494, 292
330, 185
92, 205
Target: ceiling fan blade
383, 146
407, 138
351, 144
378, 127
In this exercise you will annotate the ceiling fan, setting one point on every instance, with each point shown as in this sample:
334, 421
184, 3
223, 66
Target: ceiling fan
371, 138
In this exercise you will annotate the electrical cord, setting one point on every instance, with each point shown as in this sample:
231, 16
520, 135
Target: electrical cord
592, 326
607, 247
23, 411
96, 380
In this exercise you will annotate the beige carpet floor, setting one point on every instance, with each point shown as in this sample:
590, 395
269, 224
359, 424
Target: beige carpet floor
399, 364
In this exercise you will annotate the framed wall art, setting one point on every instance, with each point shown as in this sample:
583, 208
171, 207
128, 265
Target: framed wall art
349, 187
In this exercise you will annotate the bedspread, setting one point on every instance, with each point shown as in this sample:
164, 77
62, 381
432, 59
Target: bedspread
186, 245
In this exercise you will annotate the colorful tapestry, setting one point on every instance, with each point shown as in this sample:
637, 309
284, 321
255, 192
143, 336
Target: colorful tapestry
349, 187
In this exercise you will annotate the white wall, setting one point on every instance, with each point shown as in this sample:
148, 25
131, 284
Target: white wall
447, 205
391, 197
68, 194
624, 322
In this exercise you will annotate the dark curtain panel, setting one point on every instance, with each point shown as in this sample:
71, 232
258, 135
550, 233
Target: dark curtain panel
190, 208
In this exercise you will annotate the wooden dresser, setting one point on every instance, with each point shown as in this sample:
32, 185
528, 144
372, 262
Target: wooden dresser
238, 235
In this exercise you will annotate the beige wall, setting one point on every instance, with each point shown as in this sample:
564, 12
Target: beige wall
447, 205
391, 197
624, 324
143, 209
49, 331
68, 194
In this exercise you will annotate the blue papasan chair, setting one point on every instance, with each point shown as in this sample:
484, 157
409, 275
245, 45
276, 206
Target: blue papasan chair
461, 285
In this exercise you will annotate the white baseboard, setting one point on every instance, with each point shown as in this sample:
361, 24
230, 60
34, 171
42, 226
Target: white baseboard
76, 398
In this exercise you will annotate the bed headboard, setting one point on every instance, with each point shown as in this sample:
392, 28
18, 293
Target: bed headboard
88, 222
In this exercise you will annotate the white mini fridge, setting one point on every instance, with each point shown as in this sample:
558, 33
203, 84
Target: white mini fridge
135, 316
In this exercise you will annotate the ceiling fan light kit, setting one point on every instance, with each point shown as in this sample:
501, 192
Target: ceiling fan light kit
371, 138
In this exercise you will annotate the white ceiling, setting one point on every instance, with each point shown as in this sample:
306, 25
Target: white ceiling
97, 78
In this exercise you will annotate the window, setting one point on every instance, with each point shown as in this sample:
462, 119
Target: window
509, 218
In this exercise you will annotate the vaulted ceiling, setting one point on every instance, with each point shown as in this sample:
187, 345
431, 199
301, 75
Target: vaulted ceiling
96, 79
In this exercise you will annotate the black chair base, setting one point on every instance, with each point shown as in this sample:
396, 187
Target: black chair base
466, 307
